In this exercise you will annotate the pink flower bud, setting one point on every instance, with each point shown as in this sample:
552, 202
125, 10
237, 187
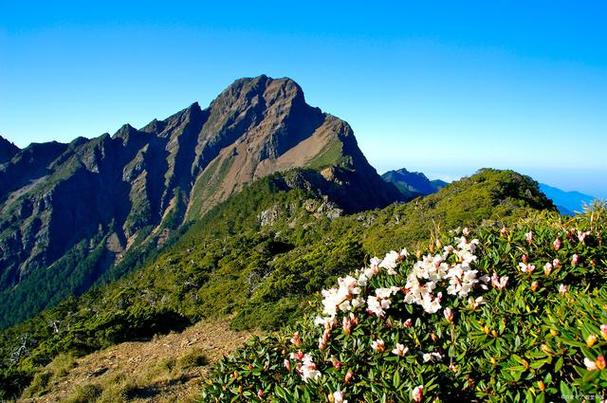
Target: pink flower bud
418, 394
296, 339
349, 376
347, 325
448, 312
378, 346
529, 237
556, 245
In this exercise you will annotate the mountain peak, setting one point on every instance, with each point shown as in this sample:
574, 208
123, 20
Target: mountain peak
137, 187
7, 150
411, 183
272, 89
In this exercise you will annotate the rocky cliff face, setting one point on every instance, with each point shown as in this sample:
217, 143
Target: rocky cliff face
7, 150
90, 201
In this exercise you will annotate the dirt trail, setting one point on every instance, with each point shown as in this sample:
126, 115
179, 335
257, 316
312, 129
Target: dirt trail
168, 368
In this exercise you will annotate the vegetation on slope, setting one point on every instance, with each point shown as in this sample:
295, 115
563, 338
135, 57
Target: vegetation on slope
517, 313
256, 258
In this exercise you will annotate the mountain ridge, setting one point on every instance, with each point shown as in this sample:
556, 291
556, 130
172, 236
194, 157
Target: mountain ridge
108, 196
7, 150
413, 184
568, 202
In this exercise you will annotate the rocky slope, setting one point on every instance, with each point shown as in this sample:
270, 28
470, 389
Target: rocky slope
79, 208
7, 150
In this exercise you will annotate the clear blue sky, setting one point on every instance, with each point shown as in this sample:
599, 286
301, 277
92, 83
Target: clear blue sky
428, 85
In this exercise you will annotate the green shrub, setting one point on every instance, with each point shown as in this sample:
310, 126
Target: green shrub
229, 265
523, 331
84, 394
193, 359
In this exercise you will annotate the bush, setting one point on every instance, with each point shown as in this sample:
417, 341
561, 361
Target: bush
520, 313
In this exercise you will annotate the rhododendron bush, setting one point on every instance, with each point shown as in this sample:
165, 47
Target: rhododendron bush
493, 313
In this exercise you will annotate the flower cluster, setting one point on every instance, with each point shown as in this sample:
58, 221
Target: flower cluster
347, 295
433, 271
450, 271
414, 317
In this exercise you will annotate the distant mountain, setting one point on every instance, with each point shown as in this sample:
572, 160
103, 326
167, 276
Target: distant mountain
568, 202
70, 212
7, 150
438, 184
412, 184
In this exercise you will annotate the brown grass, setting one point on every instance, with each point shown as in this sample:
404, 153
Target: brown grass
166, 369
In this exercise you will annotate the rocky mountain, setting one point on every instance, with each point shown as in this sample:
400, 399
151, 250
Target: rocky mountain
7, 150
69, 212
413, 184
568, 203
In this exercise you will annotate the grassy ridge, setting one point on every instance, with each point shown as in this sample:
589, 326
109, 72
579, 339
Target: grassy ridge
231, 264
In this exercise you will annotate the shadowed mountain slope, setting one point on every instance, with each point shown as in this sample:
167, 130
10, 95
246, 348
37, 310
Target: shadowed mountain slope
71, 212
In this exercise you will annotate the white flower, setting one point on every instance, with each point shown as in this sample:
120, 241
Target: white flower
475, 303
563, 289
378, 346
320, 321
461, 280
432, 357
430, 304
339, 298
582, 235
497, 282
375, 261
308, 369
390, 262
526, 268
400, 350
377, 306
357, 302
590, 365
338, 397
386, 292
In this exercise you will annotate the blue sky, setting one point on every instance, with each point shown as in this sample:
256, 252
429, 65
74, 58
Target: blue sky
441, 87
